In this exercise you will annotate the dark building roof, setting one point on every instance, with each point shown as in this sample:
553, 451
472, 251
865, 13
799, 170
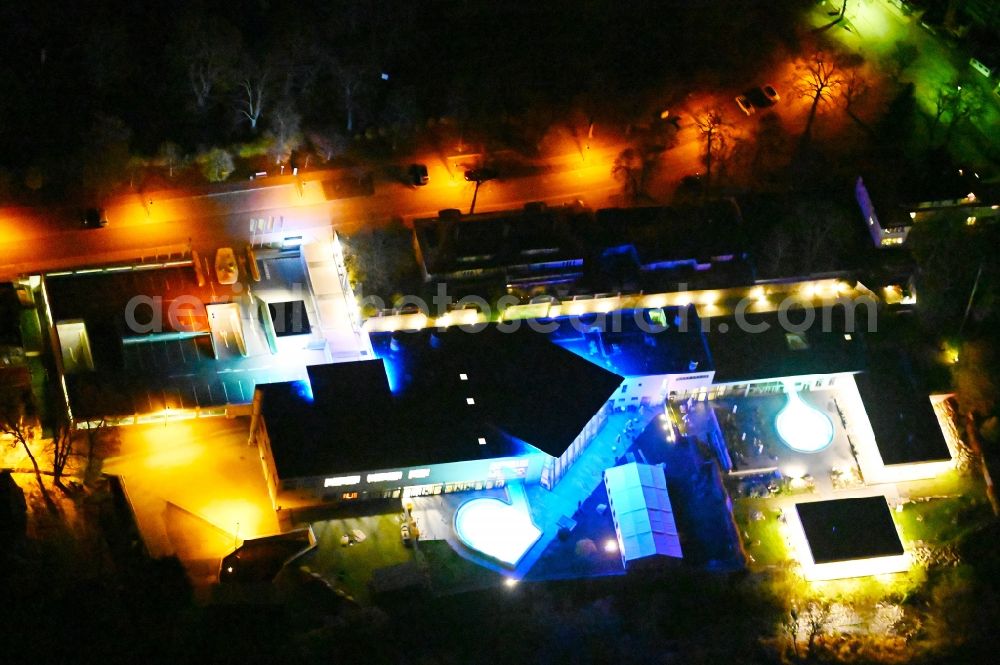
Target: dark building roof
743, 353
517, 242
903, 420
661, 236
637, 342
261, 559
13, 509
938, 184
10, 319
410, 407
846, 529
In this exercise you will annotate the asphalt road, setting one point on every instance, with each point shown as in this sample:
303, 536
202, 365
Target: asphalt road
162, 223
144, 226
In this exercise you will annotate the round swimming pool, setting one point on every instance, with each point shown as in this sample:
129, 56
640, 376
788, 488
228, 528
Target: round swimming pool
497, 529
802, 427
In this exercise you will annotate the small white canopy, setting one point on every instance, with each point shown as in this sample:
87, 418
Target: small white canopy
640, 508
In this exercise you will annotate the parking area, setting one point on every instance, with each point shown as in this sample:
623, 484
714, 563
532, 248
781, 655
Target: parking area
196, 487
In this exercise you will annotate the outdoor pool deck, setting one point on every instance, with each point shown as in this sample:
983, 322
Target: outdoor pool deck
435, 514
699, 500
748, 425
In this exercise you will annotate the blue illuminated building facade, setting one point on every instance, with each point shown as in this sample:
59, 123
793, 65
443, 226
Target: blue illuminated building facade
444, 410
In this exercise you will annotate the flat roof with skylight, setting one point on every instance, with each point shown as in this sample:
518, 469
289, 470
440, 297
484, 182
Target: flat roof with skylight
849, 538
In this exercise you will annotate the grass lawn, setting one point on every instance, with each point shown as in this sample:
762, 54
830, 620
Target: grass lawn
939, 521
950, 482
351, 567
450, 573
762, 539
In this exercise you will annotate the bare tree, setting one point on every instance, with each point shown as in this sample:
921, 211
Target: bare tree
95, 405
809, 620
61, 449
628, 170
209, 52
352, 80
285, 129
855, 88
18, 419
328, 142
714, 129
816, 617
251, 93
790, 626
957, 102
903, 55
819, 79
401, 113
170, 156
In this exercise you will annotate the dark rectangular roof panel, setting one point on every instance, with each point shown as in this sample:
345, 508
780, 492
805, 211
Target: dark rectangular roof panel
848, 529
10, 319
903, 420
452, 245
638, 342
758, 346
521, 382
311, 436
429, 398
662, 234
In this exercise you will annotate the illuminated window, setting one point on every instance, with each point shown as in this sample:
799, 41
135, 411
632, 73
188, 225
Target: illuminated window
385, 475
469, 400
969, 221
342, 480
482, 441
847, 336
463, 377
418, 473
349, 495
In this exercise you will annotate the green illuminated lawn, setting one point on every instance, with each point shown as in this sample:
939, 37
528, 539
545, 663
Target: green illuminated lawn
352, 567
939, 521
762, 539
450, 573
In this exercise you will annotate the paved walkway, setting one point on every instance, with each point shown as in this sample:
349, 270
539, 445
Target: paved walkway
435, 514
586, 474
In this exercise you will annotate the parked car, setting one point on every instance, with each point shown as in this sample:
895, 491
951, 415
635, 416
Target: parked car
418, 174
761, 97
481, 174
225, 266
745, 105
93, 218
404, 533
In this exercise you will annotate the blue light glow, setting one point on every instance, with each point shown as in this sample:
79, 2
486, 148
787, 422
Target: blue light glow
499, 530
801, 427
393, 374
303, 388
